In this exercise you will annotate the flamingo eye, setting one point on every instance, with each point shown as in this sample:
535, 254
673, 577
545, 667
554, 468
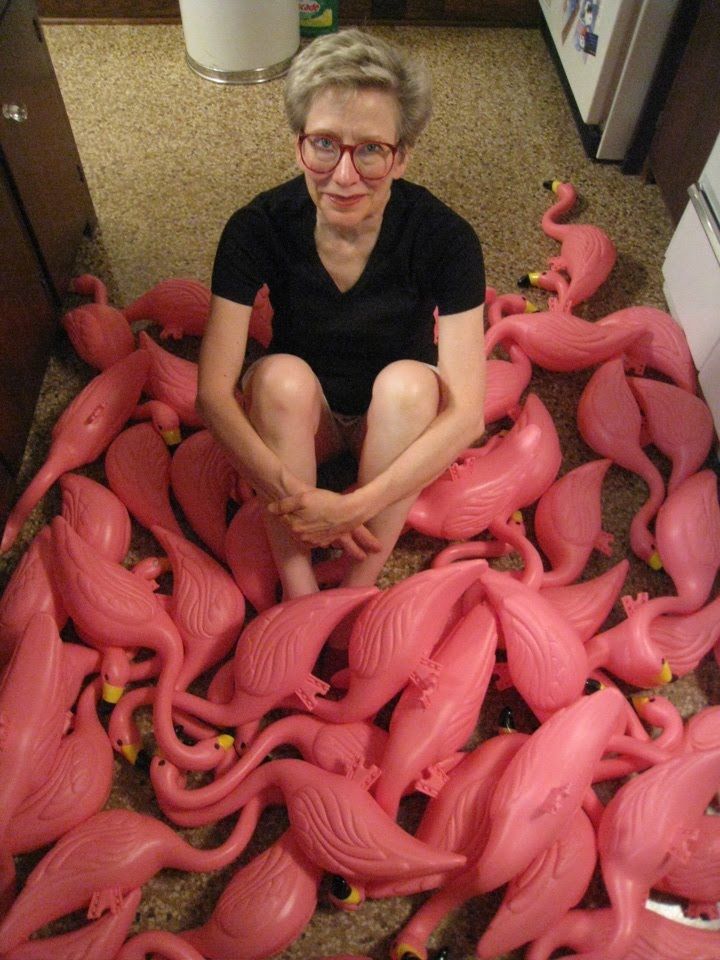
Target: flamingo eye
344, 894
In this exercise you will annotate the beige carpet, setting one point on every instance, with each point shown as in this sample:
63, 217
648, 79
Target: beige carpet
169, 156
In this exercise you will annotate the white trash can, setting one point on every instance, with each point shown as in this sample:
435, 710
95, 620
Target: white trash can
240, 41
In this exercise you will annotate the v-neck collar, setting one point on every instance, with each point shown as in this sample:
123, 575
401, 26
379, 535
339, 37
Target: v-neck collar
376, 251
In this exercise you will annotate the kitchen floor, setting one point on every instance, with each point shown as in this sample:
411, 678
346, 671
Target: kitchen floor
169, 156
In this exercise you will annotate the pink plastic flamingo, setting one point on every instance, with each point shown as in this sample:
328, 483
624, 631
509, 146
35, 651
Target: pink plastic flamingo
285, 882
587, 254
33, 718
638, 649
684, 640
427, 727
559, 341
111, 607
693, 874
30, 590
546, 658
540, 790
543, 893
161, 944
505, 381
648, 818
691, 561
101, 938
662, 344
206, 606
137, 466
392, 640
261, 316
83, 431
171, 379
275, 655
456, 819
99, 333
587, 605
610, 422
544, 467
678, 423
568, 522
334, 819
657, 937
180, 306
337, 747
97, 514
476, 489
247, 552
107, 856
76, 785
203, 482
164, 419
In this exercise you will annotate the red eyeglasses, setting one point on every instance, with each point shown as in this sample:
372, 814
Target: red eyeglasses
321, 153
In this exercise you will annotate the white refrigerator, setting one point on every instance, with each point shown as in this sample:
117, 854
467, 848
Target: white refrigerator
691, 278
607, 52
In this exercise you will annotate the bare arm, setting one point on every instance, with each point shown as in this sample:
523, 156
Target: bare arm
317, 515
222, 354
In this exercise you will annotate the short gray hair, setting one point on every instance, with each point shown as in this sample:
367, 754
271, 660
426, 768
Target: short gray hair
352, 60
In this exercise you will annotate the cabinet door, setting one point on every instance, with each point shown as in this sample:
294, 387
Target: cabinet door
27, 328
37, 143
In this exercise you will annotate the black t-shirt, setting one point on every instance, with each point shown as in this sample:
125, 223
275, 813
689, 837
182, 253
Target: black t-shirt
426, 256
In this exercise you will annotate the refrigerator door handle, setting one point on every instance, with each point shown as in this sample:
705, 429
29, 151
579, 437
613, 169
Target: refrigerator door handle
706, 217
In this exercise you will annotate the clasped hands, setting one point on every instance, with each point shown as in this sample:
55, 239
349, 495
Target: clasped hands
323, 518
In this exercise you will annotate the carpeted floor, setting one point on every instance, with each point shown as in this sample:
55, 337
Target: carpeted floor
169, 156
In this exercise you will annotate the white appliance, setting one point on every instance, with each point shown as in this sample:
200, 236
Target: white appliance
691, 275
607, 52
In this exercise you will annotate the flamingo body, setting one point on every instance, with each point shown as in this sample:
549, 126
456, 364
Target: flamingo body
568, 521
83, 431
679, 424
610, 422
171, 379
426, 728
285, 882
98, 515
137, 466
206, 605
394, 635
662, 344
275, 655
77, 784
542, 894
30, 590
203, 481
471, 493
587, 254
180, 306
101, 938
99, 333
546, 657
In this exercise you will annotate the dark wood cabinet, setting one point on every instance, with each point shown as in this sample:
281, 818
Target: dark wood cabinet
45, 208
690, 120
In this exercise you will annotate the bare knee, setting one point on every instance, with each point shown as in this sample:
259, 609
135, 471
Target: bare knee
409, 390
283, 388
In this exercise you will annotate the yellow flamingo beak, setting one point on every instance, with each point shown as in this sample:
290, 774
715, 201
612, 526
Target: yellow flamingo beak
111, 693
130, 751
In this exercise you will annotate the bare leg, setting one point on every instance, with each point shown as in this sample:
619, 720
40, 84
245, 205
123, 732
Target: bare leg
285, 405
406, 399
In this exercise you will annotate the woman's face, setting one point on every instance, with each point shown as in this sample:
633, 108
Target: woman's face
343, 198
